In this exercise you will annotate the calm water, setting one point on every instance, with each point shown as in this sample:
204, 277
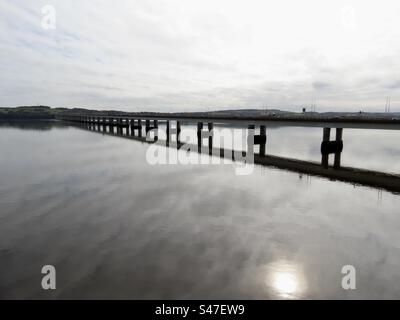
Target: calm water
115, 226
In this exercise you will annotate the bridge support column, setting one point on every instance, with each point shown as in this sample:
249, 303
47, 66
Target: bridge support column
167, 132
127, 126
250, 138
325, 138
155, 126
140, 127
132, 127
203, 135
178, 133
119, 126
199, 139
339, 140
150, 127
328, 147
210, 137
263, 136
170, 131
111, 121
256, 139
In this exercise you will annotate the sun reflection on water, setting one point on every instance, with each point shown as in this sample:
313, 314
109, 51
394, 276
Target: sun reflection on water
285, 283
285, 280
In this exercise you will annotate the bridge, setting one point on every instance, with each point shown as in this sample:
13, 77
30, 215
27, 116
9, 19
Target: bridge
137, 127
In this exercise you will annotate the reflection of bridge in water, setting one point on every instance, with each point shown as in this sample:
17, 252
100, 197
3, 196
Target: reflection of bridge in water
132, 128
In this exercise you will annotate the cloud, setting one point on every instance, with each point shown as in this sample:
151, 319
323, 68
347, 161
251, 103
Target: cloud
394, 85
195, 55
321, 85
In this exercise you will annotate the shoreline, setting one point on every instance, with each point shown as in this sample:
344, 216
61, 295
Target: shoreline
272, 115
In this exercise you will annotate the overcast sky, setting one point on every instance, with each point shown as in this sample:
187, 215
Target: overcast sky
187, 55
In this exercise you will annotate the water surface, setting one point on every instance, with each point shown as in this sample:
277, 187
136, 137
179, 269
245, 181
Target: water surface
116, 227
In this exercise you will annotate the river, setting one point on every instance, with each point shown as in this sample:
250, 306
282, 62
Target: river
115, 226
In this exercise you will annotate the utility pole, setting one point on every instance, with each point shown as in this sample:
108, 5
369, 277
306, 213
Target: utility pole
387, 107
386, 104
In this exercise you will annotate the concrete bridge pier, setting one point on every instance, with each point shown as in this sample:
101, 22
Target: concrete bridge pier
155, 126
201, 134
325, 155
147, 129
251, 128
140, 127
178, 133
127, 126
170, 131
256, 139
199, 139
132, 125
338, 153
328, 147
119, 126
263, 135
167, 132
137, 127
150, 126
111, 126
210, 137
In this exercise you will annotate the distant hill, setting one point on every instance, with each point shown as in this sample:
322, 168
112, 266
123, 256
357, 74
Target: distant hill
28, 112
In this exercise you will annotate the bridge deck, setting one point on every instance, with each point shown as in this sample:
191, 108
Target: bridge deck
383, 124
